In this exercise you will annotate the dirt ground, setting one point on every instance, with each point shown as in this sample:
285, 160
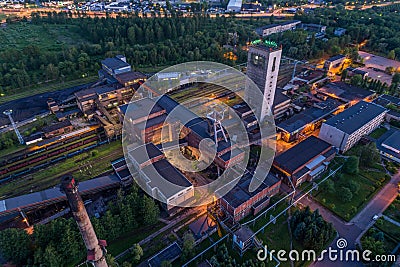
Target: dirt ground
31, 106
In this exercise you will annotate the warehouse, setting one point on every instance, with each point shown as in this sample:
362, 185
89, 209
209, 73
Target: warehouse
304, 161
239, 202
348, 127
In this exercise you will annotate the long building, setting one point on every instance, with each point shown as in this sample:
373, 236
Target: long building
307, 121
155, 174
239, 202
348, 127
389, 145
277, 28
304, 161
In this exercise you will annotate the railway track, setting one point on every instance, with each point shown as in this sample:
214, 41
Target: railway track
46, 160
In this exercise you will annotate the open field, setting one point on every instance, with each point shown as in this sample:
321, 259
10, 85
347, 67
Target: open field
76, 165
119, 245
47, 37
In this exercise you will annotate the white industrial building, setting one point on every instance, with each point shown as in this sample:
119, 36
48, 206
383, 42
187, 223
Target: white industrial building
234, 6
348, 127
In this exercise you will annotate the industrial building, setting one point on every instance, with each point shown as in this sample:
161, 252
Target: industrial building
150, 128
107, 95
301, 124
121, 170
334, 62
239, 202
277, 28
168, 254
389, 145
348, 127
355, 71
155, 173
234, 6
345, 92
131, 78
282, 104
114, 66
392, 104
57, 129
51, 196
263, 63
304, 161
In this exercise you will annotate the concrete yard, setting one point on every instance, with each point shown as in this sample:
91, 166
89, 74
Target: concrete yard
376, 65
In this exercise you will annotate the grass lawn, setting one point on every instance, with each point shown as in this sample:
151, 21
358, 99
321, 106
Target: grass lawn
152, 69
393, 211
378, 132
389, 228
49, 177
47, 37
348, 210
119, 245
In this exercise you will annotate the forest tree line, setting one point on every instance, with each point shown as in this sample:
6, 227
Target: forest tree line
151, 42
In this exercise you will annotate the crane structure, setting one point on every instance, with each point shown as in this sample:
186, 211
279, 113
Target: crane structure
216, 117
20, 138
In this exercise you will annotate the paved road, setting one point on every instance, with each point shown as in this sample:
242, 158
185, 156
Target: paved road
353, 230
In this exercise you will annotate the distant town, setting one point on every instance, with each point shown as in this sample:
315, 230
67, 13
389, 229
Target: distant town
76, 85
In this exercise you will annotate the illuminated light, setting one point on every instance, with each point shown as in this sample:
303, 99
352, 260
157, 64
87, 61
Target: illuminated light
266, 42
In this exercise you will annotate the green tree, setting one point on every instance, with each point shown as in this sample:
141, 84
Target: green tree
131, 35
351, 165
356, 80
396, 78
137, 252
391, 54
369, 155
346, 195
14, 245
329, 186
51, 72
353, 186
188, 245
343, 76
150, 210
376, 247
126, 264
52, 257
